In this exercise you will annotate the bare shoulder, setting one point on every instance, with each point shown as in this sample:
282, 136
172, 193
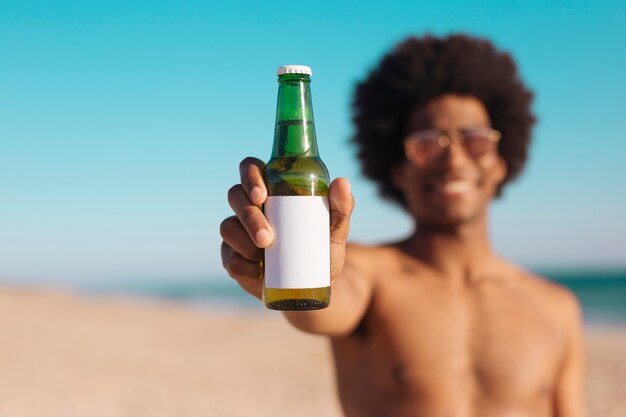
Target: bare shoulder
372, 258
367, 249
550, 295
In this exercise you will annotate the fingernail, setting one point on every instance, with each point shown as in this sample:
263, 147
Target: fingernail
262, 236
256, 194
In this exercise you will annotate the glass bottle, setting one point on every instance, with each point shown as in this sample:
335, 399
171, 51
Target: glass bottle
297, 263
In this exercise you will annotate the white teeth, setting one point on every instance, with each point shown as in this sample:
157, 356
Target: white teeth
460, 186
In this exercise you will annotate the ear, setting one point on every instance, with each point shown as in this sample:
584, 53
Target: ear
501, 170
398, 176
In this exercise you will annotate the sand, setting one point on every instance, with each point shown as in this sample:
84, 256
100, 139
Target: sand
74, 355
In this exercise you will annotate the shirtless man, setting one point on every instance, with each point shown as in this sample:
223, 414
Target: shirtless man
437, 324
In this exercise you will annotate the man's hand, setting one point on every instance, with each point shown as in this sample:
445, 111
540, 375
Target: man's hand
247, 232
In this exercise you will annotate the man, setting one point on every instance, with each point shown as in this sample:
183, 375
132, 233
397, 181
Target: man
437, 324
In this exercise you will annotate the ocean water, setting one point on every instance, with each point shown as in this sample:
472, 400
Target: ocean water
602, 294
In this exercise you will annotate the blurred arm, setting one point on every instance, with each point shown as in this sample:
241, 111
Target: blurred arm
350, 298
570, 395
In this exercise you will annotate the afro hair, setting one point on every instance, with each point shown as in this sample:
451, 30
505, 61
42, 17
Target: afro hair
419, 70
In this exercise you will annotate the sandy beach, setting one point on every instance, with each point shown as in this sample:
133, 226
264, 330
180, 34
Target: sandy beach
63, 354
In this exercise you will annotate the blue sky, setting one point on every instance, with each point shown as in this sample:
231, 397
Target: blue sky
122, 124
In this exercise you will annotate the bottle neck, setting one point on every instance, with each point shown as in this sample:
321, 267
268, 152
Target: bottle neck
294, 133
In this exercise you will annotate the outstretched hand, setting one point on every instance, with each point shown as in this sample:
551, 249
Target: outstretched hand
247, 232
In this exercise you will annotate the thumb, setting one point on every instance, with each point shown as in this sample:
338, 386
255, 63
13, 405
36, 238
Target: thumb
341, 205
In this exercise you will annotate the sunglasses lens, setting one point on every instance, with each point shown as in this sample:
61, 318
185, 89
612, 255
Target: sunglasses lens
423, 150
477, 143
427, 146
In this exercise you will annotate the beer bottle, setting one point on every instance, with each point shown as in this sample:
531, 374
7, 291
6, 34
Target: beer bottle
297, 263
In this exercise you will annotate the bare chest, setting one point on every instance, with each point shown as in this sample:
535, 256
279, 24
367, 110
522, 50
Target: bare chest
490, 344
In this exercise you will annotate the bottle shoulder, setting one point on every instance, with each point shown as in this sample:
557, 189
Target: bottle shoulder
297, 166
296, 176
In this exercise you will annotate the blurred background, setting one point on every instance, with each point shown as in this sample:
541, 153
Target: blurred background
122, 124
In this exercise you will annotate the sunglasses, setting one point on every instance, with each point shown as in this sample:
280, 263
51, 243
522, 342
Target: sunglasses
425, 147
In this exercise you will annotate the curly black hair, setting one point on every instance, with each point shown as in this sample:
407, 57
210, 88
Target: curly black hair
418, 70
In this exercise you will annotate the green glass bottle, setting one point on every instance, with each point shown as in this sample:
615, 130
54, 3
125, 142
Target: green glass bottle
297, 263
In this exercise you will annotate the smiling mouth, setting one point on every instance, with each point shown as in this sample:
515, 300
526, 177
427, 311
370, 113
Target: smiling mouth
454, 188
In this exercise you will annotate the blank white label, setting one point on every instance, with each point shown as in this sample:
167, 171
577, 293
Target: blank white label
299, 256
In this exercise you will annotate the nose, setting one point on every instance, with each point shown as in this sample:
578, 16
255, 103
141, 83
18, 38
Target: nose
454, 155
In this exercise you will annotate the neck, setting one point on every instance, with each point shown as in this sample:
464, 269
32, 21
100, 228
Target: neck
462, 252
